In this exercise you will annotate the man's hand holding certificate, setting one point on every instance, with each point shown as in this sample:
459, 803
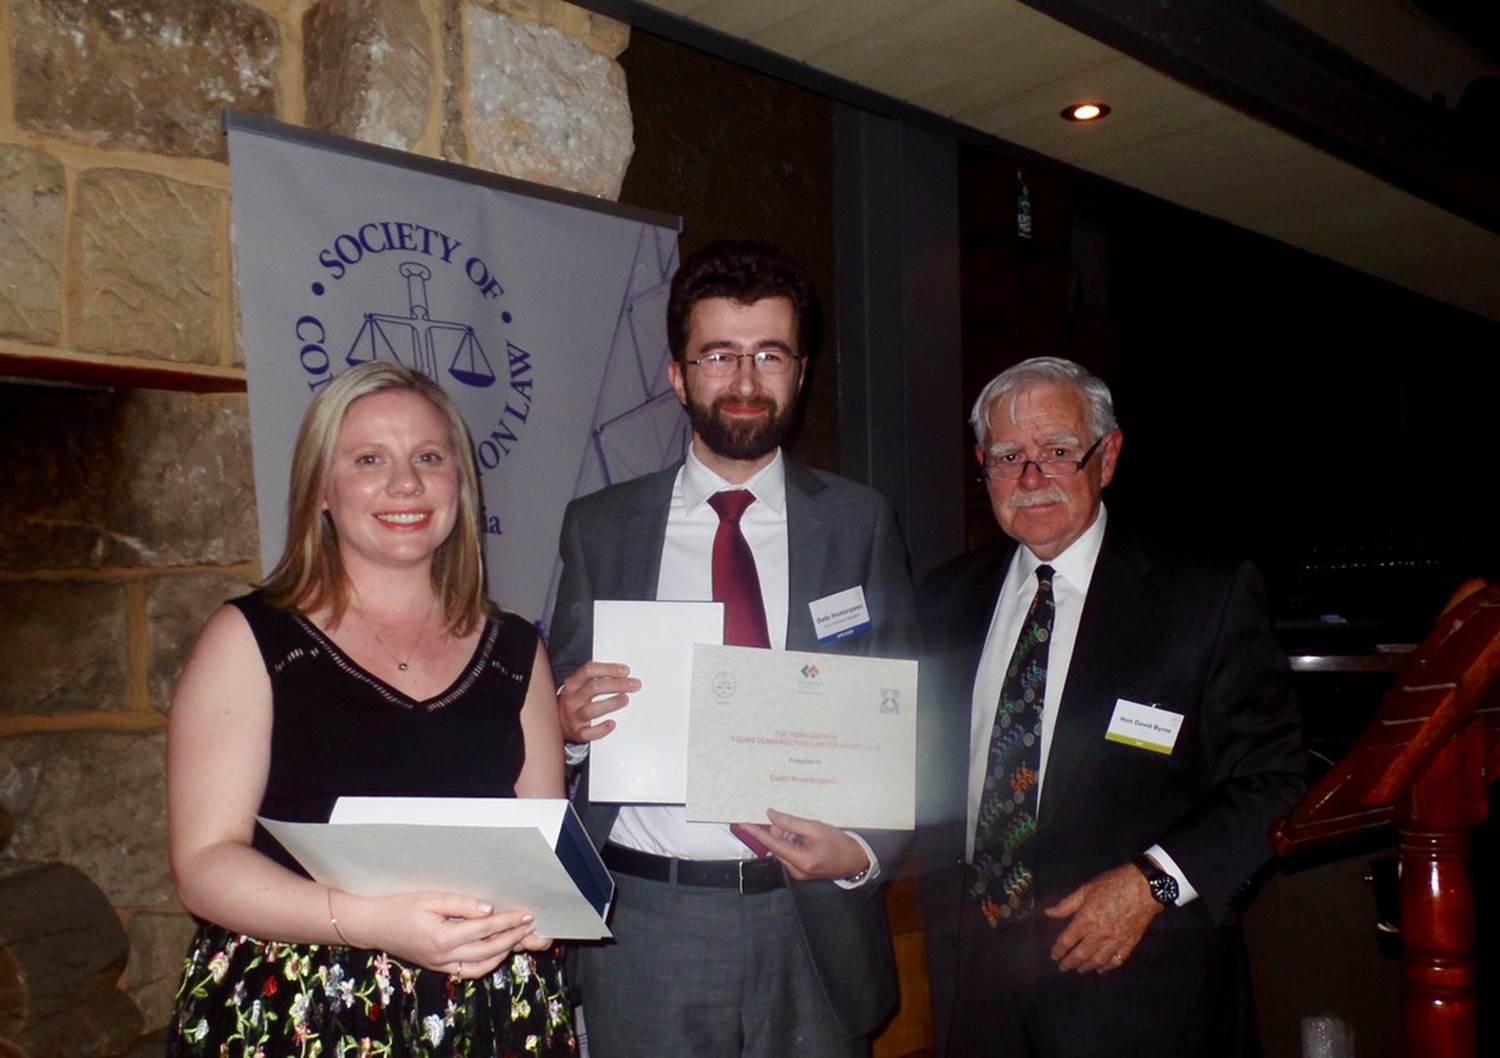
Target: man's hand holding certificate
823, 736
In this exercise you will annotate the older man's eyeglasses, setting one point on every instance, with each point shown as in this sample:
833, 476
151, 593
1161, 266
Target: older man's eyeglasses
721, 362
1057, 462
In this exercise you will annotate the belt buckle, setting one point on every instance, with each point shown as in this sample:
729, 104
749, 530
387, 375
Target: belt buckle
740, 868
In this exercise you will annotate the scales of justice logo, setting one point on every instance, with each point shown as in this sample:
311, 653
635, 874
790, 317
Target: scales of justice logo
447, 347
426, 342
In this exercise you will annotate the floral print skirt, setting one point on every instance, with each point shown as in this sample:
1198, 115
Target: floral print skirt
245, 998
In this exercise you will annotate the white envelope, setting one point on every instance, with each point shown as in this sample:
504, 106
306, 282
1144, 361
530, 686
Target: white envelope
511, 852
644, 759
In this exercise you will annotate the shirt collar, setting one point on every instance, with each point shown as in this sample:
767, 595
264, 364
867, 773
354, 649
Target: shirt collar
1075, 565
699, 483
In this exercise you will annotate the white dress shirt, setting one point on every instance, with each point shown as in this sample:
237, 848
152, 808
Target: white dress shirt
687, 576
1072, 572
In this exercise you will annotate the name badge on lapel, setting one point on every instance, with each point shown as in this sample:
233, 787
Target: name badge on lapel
840, 615
1144, 726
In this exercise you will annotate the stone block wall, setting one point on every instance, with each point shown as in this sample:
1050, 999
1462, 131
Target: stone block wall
130, 512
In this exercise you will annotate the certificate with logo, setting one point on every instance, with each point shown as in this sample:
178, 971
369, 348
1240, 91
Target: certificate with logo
823, 736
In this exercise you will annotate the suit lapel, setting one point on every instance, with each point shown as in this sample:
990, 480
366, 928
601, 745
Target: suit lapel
1101, 653
957, 622
975, 609
642, 533
972, 612
808, 542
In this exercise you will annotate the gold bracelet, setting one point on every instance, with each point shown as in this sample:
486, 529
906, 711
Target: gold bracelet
334, 920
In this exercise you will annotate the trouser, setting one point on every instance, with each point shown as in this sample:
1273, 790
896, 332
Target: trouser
705, 971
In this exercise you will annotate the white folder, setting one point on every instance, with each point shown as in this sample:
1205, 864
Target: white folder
511, 852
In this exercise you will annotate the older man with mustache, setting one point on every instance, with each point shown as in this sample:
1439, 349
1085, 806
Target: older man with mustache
1109, 735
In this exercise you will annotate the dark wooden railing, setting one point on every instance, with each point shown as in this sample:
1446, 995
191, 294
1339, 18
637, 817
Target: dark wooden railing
1423, 766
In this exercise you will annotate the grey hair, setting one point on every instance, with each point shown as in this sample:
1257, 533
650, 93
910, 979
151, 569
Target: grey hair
1043, 371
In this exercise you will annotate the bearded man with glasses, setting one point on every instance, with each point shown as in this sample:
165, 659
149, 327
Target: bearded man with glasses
1108, 734
763, 939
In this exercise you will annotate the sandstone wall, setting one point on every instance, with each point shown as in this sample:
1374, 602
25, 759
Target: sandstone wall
130, 512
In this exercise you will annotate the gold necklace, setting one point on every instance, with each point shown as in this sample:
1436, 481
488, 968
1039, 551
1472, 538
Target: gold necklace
421, 632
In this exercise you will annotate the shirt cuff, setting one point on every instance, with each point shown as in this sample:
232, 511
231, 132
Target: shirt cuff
871, 873
575, 753
1186, 894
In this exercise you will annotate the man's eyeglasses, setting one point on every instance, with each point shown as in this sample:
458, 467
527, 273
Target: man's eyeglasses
722, 363
1057, 463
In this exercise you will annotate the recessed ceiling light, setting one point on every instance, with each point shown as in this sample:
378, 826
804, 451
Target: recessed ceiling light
1085, 111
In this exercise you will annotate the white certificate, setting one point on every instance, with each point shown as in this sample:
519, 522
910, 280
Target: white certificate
823, 736
511, 852
644, 759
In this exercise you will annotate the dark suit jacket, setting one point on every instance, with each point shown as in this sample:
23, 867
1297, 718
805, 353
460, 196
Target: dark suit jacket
839, 534
1156, 628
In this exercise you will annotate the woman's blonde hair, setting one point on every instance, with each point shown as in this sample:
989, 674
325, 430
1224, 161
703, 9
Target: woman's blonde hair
310, 574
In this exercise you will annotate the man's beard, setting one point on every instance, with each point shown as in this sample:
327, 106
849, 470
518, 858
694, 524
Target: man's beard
740, 439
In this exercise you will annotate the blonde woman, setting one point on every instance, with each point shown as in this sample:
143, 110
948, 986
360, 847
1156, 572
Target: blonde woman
369, 663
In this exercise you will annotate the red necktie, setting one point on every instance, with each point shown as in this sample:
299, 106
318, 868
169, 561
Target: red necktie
736, 584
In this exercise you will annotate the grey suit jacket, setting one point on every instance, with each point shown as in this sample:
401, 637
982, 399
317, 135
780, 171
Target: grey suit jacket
839, 534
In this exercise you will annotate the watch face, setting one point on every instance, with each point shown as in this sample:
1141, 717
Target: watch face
1164, 888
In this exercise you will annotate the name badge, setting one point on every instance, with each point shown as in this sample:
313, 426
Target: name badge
840, 615
1144, 726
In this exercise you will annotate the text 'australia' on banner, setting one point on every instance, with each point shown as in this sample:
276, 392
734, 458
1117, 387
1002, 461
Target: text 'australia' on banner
543, 320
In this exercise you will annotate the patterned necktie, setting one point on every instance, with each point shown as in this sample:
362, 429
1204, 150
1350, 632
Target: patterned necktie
736, 584
1003, 834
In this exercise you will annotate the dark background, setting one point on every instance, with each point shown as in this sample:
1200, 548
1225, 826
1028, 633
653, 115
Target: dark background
741, 155
1330, 426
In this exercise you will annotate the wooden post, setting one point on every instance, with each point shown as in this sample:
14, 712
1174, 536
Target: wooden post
1437, 900
1423, 765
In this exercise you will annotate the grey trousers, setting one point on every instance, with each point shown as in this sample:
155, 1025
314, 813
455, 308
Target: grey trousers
695, 971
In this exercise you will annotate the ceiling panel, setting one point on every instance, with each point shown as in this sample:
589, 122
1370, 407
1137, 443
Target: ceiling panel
827, 28
1013, 46
1004, 69
739, 19
1145, 106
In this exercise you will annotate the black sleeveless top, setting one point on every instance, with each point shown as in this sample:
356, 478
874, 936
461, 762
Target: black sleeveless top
339, 731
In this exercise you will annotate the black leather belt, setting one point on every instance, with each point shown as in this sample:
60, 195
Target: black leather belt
744, 876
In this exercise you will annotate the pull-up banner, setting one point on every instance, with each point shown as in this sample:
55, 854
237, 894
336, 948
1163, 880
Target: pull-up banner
542, 313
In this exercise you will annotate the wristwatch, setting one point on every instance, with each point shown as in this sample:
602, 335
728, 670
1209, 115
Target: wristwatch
1163, 886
